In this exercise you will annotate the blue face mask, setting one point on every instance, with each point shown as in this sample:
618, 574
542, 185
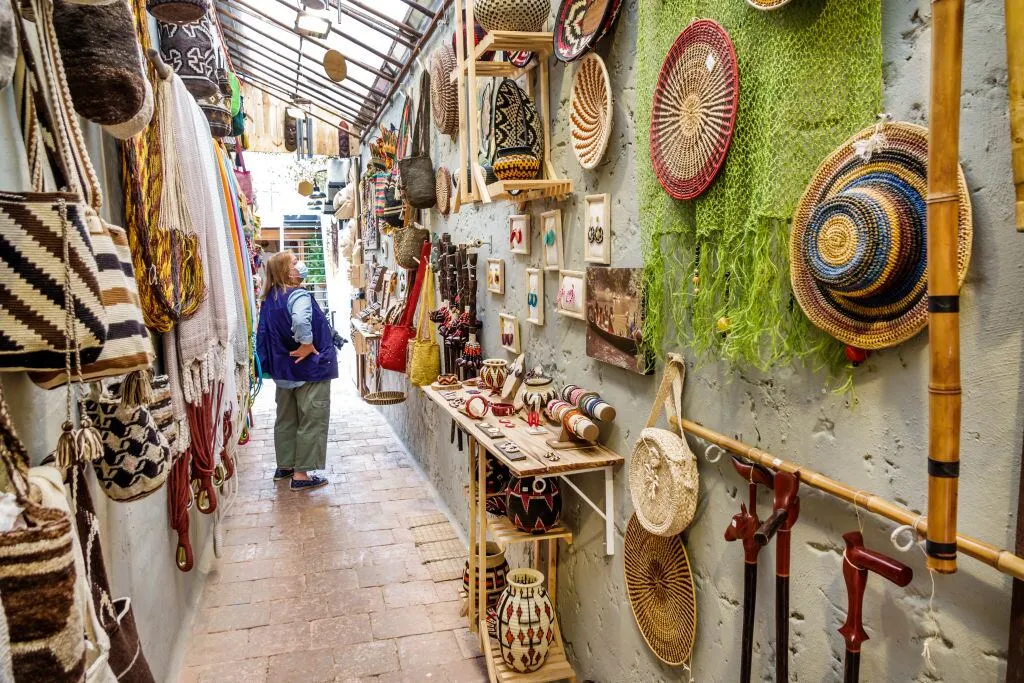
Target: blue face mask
302, 269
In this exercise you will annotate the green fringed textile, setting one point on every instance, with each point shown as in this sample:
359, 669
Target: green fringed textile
810, 76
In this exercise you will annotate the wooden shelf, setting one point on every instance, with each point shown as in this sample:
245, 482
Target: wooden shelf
540, 43
529, 190
504, 532
556, 666
496, 69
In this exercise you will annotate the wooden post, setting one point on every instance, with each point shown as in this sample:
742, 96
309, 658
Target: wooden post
474, 452
943, 285
1015, 649
1015, 69
481, 539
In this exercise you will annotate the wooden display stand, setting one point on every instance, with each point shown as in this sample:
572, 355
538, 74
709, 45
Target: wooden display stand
570, 462
362, 337
549, 185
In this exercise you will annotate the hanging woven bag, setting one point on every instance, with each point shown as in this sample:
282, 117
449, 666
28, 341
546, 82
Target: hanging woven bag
408, 245
178, 11
394, 340
663, 479
188, 48
425, 363
242, 174
418, 182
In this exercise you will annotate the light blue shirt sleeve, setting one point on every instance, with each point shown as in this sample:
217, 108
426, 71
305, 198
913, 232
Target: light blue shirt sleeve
300, 306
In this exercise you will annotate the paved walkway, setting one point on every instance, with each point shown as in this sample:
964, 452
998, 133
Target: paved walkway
326, 585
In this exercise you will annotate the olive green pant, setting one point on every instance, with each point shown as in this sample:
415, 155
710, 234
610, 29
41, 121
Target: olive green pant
300, 432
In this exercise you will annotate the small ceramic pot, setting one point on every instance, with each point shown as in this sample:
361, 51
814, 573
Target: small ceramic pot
516, 163
495, 573
493, 373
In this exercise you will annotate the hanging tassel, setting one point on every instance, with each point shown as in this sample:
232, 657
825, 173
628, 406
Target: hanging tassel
67, 449
136, 389
88, 441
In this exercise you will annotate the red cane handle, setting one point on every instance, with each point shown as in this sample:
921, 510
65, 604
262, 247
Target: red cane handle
770, 527
753, 472
874, 561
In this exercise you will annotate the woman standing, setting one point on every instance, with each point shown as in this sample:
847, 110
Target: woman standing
294, 344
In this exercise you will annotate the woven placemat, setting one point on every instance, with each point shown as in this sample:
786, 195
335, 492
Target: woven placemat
433, 533
442, 550
446, 570
426, 520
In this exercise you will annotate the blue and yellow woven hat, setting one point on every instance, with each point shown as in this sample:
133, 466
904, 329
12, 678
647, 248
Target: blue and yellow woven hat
858, 254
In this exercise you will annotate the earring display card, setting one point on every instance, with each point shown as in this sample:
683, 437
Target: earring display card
519, 234
510, 333
571, 299
597, 236
551, 230
496, 275
535, 296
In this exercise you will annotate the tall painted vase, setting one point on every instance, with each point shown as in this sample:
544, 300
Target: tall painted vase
526, 621
533, 504
495, 573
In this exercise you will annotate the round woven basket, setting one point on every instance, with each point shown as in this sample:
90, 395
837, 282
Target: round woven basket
663, 481
590, 118
694, 109
578, 24
660, 590
444, 96
767, 4
516, 120
385, 398
858, 248
443, 190
335, 66
512, 15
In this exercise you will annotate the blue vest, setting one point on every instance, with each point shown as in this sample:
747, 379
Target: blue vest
274, 341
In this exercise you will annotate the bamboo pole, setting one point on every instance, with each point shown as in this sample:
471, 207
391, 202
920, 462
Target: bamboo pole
1015, 646
944, 285
1015, 69
1003, 560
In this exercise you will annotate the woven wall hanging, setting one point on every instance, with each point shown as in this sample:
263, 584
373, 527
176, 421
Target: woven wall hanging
516, 120
444, 95
578, 24
443, 190
512, 15
659, 586
590, 119
694, 109
858, 258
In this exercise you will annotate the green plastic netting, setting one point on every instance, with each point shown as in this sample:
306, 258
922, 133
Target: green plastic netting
810, 76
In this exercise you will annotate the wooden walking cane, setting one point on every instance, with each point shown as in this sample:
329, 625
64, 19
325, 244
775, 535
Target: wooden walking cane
1015, 69
943, 285
785, 510
857, 562
742, 527
1015, 647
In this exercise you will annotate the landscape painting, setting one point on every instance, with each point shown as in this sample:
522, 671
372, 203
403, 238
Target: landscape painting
615, 318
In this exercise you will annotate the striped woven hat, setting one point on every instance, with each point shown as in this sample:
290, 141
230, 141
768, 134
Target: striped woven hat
858, 249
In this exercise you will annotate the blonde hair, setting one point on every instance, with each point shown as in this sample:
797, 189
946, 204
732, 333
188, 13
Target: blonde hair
279, 272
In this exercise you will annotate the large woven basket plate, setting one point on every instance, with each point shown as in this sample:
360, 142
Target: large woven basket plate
578, 24
519, 59
767, 4
660, 590
590, 119
516, 120
444, 95
443, 190
694, 109
609, 21
898, 165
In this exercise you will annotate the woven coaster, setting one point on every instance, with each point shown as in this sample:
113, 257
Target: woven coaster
427, 520
446, 570
442, 550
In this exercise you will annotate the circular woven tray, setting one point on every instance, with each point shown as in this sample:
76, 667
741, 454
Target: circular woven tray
335, 66
443, 190
385, 398
590, 119
852, 205
660, 590
694, 109
519, 59
767, 4
444, 95
578, 25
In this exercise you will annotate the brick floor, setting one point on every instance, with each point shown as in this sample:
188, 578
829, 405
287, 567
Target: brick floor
325, 585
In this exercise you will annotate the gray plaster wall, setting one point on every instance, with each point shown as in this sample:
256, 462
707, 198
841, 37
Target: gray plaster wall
873, 439
137, 541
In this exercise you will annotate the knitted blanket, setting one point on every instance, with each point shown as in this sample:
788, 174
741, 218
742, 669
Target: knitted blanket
810, 76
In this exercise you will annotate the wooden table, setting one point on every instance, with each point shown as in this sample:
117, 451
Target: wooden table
570, 462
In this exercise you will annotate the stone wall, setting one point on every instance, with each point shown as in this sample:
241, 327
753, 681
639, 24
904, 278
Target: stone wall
874, 438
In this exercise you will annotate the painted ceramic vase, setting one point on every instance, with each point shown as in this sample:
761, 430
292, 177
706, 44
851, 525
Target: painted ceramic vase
538, 391
495, 573
498, 477
533, 504
493, 373
526, 621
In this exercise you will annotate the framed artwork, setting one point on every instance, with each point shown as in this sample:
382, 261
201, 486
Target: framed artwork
616, 307
597, 237
551, 230
403, 283
519, 234
510, 333
496, 275
571, 299
535, 296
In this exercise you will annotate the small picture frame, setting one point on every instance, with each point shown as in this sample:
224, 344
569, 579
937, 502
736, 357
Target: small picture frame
571, 299
510, 340
597, 230
403, 283
496, 275
535, 296
519, 234
551, 237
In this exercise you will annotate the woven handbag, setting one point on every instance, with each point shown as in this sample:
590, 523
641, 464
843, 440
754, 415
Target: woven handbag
178, 11
48, 267
425, 364
136, 456
37, 584
188, 48
242, 174
663, 478
394, 340
408, 245
128, 347
394, 205
417, 169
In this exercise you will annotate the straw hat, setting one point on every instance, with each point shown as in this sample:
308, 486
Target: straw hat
335, 66
858, 250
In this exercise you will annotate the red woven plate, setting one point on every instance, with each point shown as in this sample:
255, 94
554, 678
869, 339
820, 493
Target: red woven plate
694, 109
577, 25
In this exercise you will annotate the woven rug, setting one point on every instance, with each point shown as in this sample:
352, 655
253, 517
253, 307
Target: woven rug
810, 77
438, 546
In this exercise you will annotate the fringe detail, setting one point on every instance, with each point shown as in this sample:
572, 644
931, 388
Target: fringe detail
67, 449
136, 389
88, 442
